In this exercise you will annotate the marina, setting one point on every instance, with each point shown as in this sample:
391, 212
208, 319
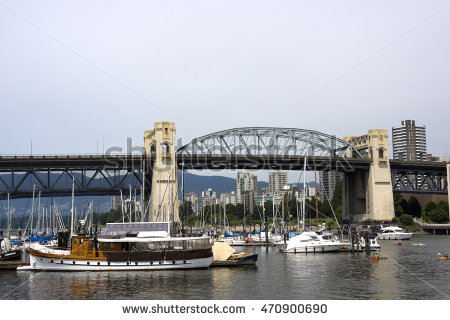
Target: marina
343, 275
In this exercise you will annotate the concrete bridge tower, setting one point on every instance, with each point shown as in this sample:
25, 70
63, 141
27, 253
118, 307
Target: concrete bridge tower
159, 144
367, 195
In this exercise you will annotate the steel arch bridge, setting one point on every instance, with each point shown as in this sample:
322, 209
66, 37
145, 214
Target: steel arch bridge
269, 141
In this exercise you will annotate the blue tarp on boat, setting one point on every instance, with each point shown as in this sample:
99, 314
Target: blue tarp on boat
227, 235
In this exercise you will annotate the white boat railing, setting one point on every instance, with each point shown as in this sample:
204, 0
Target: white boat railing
45, 249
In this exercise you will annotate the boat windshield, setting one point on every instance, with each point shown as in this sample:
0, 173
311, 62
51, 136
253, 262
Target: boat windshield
185, 244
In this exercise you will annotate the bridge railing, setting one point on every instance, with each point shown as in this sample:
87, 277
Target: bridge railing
63, 156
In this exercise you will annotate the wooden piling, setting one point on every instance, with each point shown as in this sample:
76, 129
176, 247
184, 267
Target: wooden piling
367, 242
267, 236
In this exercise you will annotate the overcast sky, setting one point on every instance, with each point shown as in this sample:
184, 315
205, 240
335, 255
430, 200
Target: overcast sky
75, 74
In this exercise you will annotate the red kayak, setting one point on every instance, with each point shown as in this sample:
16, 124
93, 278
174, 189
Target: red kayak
399, 244
372, 258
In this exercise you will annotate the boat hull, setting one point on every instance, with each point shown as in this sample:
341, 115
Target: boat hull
314, 249
49, 264
395, 236
13, 255
247, 259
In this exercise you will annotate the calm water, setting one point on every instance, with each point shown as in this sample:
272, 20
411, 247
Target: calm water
411, 272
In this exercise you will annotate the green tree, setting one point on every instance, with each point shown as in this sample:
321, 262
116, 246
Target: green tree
191, 220
397, 207
239, 210
406, 220
310, 208
325, 209
414, 206
443, 205
437, 216
404, 205
185, 210
338, 213
430, 206
337, 197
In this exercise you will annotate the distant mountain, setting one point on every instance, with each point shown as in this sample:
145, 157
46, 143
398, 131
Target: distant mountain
196, 183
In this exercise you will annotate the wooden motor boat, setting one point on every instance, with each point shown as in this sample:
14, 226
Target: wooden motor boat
11, 255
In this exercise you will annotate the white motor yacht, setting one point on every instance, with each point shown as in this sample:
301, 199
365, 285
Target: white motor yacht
374, 245
311, 242
393, 233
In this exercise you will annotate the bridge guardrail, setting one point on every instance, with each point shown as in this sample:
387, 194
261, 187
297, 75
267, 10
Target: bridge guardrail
65, 156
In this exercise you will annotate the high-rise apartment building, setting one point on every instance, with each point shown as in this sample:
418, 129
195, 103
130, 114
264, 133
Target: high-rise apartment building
226, 198
194, 200
208, 197
277, 181
327, 183
245, 181
409, 142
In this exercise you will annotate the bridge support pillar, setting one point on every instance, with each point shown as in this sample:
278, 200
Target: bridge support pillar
160, 145
367, 196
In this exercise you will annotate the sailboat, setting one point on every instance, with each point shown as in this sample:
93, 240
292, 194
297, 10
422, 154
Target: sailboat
310, 241
7, 252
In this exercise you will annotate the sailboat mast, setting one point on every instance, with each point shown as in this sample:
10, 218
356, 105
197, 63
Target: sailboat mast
39, 213
298, 216
282, 212
32, 211
170, 207
142, 191
264, 210
244, 212
264, 215
172, 202
317, 202
73, 206
273, 211
9, 220
159, 195
224, 215
304, 195
121, 204
129, 204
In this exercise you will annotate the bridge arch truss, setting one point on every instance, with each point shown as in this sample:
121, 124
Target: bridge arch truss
260, 141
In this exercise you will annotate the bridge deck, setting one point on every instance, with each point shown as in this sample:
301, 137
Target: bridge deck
109, 174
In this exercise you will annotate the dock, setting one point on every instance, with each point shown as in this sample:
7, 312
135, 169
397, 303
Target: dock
251, 244
12, 264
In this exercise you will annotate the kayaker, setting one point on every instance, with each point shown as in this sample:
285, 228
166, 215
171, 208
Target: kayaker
375, 256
